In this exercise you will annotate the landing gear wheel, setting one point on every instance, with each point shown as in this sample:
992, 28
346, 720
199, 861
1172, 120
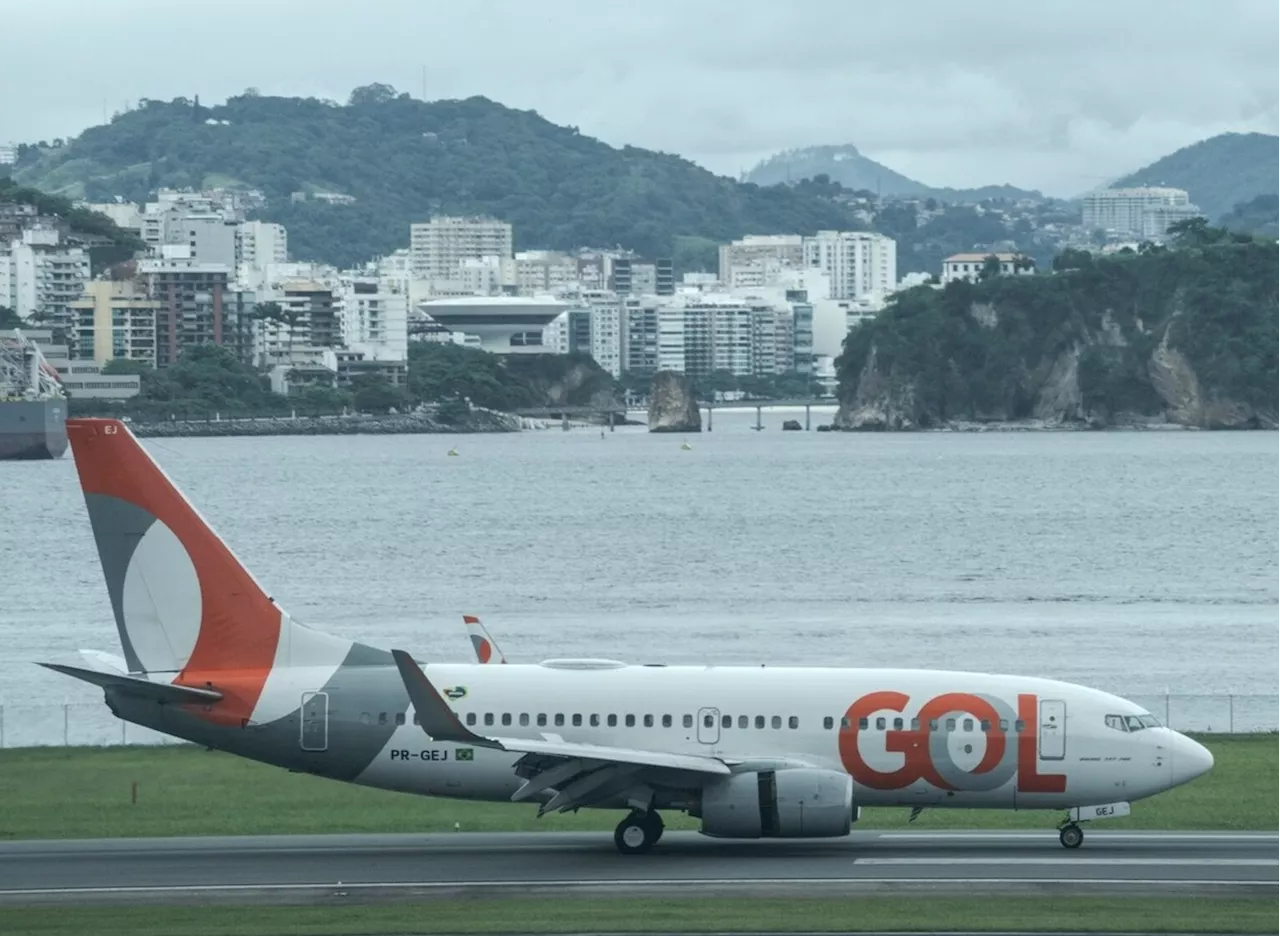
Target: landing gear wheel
636, 834
1071, 836
655, 823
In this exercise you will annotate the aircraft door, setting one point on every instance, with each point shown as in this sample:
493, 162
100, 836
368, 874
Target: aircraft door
314, 730
709, 725
1053, 729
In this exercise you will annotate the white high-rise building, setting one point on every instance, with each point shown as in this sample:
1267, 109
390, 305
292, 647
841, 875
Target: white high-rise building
1142, 212
259, 243
438, 246
38, 275
538, 272
375, 320
607, 335
861, 264
743, 261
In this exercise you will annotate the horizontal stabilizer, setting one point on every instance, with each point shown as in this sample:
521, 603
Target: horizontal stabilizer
143, 688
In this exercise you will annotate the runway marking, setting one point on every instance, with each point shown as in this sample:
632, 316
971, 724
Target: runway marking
1102, 834
635, 882
1071, 860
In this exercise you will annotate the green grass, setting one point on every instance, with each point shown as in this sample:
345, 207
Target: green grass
1007, 914
184, 790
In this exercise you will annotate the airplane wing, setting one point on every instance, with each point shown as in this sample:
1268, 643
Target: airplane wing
145, 688
577, 772
486, 649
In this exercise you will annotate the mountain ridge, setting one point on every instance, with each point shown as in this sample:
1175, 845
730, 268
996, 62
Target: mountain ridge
845, 163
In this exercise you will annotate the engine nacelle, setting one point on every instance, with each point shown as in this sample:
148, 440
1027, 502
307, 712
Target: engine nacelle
795, 803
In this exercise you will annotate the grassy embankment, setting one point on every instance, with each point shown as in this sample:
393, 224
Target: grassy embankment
87, 793
1007, 914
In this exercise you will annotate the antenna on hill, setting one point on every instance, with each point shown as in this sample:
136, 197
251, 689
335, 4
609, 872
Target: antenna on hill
424, 82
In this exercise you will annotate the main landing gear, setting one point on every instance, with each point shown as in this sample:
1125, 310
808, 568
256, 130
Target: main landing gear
1070, 835
638, 833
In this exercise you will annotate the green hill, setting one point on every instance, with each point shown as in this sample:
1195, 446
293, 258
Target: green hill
1186, 335
847, 166
404, 160
1218, 173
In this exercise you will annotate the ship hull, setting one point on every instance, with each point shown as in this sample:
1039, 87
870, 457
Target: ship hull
33, 429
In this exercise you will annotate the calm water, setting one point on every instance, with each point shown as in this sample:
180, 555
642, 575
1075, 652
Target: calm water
1136, 562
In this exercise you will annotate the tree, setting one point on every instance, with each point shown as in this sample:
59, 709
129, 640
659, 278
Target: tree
376, 394
371, 94
9, 319
990, 268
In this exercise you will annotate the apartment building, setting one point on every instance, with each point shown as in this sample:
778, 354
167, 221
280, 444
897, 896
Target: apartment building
40, 278
193, 303
438, 246
744, 262
860, 264
1143, 212
115, 319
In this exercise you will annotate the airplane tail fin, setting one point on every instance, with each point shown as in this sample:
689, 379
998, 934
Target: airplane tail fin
183, 603
486, 650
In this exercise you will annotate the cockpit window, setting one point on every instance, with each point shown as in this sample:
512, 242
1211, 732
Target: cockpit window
1132, 722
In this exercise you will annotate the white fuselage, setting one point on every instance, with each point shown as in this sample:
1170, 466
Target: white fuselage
977, 740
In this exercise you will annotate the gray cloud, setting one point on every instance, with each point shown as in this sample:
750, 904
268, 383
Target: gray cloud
1056, 96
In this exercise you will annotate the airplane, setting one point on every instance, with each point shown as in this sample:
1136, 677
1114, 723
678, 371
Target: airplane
751, 751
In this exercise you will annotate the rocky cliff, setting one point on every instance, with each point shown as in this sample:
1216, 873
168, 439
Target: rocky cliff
672, 404
1180, 337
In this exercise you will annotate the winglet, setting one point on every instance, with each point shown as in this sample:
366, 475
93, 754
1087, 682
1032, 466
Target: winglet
434, 714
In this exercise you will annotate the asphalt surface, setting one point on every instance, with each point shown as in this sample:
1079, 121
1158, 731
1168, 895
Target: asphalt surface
369, 868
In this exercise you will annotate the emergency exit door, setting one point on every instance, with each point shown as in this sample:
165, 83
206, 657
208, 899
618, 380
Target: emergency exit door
1053, 729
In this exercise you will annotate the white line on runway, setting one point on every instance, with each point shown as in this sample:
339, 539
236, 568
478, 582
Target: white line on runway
1102, 833
1071, 860
685, 883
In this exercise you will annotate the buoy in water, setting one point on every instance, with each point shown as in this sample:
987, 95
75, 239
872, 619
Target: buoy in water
453, 451
686, 447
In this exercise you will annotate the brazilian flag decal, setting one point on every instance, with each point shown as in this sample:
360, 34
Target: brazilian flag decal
466, 753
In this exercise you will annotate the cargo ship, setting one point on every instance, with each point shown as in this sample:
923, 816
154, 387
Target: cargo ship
33, 404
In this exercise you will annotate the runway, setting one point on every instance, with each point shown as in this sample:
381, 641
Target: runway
367, 868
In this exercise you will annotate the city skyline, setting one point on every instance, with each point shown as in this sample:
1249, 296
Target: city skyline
1072, 98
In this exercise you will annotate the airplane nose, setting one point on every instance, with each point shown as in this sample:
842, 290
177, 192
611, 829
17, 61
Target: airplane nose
1190, 759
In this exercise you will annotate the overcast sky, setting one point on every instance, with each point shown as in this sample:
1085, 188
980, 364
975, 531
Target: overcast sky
1046, 94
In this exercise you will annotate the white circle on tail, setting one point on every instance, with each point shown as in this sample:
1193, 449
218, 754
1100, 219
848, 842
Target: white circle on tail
161, 601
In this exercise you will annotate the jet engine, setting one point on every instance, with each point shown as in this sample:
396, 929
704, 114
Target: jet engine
791, 803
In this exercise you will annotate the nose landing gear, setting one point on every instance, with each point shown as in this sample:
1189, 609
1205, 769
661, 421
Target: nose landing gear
638, 832
1070, 835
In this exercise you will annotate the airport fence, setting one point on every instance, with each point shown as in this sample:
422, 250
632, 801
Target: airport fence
92, 724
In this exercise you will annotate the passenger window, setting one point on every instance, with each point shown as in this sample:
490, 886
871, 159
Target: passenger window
631, 721
648, 721
1019, 726
666, 721
577, 721
688, 721
793, 722
897, 724
726, 721
399, 718
524, 719
863, 724
986, 724
595, 721
828, 722
708, 721
488, 718
1004, 724
951, 724
759, 721
845, 723
366, 718
542, 719
506, 718
744, 721
880, 724
559, 719
777, 721
968, 724
382, 718
915, 724
613, 721
471, 718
